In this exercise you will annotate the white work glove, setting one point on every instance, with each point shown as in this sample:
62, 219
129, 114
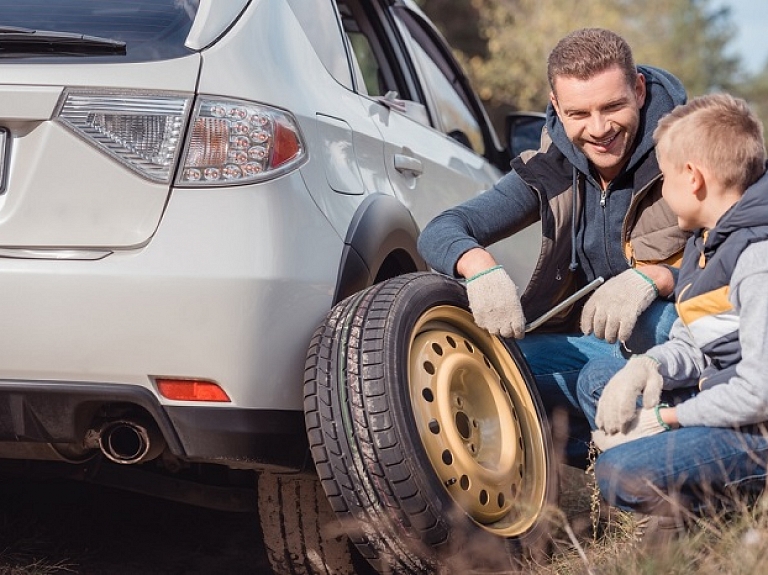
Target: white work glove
618, 402
495, 304
613, 309
646, 423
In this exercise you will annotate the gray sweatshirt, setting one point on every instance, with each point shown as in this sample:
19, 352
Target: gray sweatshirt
743, 400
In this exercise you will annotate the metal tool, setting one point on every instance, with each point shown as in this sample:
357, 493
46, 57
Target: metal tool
590, 287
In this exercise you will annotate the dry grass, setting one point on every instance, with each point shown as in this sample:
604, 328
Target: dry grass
588, 541
20, 565
591, 540
27, 555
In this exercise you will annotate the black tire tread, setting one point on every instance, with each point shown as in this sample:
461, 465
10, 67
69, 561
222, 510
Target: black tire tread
302, 534
390, 505
396, 515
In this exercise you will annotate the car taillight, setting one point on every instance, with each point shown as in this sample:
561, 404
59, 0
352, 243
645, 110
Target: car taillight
141, 131
233, 142
191, 389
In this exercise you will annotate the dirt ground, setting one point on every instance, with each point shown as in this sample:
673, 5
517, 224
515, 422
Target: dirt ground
62, 527
58, 526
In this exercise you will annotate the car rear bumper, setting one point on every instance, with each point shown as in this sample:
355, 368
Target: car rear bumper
64, 413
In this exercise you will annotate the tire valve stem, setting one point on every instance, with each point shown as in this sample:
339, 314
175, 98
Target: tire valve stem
451, 481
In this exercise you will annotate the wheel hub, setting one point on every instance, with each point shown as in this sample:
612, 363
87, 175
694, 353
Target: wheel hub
469, 421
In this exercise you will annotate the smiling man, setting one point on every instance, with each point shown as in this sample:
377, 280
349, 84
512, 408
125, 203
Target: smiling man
595, 185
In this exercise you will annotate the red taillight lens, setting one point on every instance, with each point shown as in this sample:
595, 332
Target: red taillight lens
191, 390
287, 144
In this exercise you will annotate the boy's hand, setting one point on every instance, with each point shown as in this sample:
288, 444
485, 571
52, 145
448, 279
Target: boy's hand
612, 311
495, 304
646, 423
618, 402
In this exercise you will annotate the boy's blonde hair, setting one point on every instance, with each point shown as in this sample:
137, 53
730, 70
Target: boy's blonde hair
721, 132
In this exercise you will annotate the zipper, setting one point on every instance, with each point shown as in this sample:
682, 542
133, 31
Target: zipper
603, 202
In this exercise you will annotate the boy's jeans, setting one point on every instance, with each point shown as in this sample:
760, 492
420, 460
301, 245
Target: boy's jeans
692, 466
556, 359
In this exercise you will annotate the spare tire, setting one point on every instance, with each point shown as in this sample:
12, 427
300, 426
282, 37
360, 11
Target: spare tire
427, 433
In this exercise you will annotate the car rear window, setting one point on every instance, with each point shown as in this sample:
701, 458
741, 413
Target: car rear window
151, 29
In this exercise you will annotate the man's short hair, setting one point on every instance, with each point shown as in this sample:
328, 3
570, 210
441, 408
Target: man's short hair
586, 52
721, 132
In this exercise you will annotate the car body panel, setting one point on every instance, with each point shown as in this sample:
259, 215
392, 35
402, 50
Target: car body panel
49, 201
196, 302
111, 279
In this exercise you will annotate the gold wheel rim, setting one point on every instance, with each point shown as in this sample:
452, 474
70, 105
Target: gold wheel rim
477, 421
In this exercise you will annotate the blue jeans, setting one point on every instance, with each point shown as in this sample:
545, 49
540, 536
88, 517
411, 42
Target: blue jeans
555, 359
696, 467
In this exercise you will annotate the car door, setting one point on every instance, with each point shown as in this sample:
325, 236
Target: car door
439, 147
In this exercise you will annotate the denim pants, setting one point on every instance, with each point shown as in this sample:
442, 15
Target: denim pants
555, 359
699, 468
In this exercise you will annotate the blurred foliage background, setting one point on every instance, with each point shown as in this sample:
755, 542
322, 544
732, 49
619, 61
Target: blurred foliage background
503, 45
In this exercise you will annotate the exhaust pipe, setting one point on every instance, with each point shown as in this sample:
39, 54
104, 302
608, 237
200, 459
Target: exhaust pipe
127, 441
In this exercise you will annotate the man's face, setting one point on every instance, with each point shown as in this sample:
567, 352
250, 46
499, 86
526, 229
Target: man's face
601, 116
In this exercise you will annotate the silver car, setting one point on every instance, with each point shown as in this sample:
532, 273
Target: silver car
187, 187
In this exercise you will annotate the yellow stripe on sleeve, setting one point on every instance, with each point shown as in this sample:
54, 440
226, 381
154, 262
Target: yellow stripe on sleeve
707, 304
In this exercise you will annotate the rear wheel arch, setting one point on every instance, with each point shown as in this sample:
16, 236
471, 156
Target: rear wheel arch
380, 244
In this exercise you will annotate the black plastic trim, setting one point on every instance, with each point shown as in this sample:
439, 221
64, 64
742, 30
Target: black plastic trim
253, 436
380, 227
61, 412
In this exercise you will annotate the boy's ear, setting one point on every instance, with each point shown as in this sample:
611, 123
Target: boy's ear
695, 177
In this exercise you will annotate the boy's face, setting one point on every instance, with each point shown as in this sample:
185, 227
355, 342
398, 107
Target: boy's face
601, 116
678, 189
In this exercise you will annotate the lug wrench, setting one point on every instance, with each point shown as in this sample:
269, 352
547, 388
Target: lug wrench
590, 287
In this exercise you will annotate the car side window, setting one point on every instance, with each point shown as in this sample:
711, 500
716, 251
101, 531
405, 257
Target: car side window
363, 53
319, 22
401, 62
449, 99
377, 58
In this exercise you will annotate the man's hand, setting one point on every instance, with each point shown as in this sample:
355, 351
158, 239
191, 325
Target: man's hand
612, 311
618, 402
495, 304
647, 422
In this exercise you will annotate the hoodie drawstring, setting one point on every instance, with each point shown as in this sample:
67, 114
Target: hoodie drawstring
574, 264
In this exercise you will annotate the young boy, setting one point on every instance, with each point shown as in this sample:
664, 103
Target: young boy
713, 368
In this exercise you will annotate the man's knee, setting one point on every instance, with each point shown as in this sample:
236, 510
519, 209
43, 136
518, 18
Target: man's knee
625, 485
593, 379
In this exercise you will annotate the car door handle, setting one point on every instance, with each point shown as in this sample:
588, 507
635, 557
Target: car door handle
410, 164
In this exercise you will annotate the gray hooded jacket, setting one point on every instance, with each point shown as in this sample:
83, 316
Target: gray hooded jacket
720, 341
602, 233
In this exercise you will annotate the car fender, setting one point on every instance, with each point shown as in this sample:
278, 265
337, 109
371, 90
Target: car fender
382, 230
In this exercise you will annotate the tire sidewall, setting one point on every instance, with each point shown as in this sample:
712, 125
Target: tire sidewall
426, 291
